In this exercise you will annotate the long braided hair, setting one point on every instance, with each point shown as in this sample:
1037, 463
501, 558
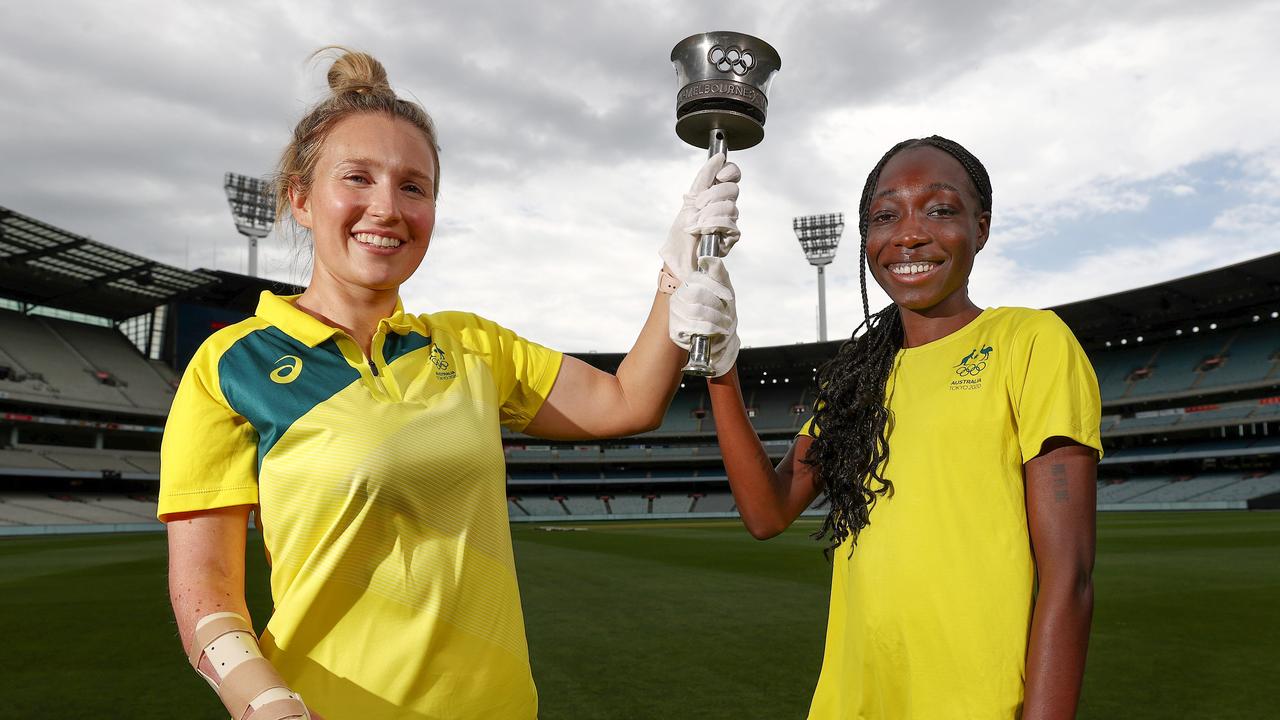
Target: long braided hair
851, 421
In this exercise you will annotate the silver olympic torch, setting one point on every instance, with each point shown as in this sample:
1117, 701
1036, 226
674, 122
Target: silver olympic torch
724, 81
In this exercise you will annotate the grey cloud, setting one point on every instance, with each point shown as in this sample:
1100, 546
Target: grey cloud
119, 120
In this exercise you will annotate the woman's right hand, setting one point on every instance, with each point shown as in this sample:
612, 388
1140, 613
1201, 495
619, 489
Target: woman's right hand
711, 205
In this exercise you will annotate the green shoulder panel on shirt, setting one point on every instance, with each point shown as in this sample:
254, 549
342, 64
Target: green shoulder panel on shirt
272, 380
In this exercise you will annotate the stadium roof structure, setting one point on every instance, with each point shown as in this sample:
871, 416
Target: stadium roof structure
1228, 295
238, 292
44, 265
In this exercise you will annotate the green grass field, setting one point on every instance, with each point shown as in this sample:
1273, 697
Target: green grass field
673, 620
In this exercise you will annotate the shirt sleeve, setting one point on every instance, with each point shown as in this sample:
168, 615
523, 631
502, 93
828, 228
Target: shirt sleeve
208, 456
523, 371
1053, 387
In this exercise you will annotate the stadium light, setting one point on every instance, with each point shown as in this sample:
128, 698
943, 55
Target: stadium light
253, 209
819, 236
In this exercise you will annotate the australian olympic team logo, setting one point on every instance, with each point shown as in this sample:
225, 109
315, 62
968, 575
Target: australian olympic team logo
975, 362
440, 360
731, 59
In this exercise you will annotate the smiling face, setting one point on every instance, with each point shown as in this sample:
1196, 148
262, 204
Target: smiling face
925, 226
370, 207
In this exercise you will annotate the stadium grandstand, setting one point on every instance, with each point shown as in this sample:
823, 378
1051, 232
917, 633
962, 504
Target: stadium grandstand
93, 339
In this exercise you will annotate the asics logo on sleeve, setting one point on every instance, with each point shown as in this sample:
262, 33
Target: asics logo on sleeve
285, 374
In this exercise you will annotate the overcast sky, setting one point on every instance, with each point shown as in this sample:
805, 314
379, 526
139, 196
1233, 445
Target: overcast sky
1128, 143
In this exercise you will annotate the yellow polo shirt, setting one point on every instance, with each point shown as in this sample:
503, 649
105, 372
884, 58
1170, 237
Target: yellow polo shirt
382, 492
931, 614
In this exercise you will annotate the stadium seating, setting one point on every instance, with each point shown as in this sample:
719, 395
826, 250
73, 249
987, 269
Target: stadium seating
1113, 368
58, 457
106, 350
26, 459
675, 501
672, 451
539, 454
1189, 489
1173, 367
1207, 488
1223, 414
578, 452
1246, 488
1150, 422
584, 505
71, 509
1122, 491
146, 462
682, 473
67, 363
716, 502
1251, 355
629, 452
774, 405
681, 418
539, 506
629, 504
135, 507
660, 474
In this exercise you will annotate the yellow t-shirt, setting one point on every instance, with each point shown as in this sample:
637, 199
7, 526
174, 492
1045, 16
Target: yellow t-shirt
381, 485
930, 616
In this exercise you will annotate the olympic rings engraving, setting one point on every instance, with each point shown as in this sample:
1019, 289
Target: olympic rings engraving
732, 58
974, 369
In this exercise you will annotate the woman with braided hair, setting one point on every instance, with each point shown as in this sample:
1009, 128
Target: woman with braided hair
958, 450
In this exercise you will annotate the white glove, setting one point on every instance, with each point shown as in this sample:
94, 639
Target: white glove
709, 206
705, 305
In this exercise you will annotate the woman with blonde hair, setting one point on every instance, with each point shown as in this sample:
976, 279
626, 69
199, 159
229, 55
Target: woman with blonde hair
369, 439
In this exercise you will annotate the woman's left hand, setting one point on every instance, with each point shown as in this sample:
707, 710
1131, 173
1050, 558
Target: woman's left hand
705, 305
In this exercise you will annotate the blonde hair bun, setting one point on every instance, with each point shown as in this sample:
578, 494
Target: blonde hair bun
357, 72
358, 85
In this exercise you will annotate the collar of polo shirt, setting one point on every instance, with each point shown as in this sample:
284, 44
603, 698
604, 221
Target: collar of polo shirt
279, 310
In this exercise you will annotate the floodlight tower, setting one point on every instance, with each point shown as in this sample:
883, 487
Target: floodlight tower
819, 236
253, 209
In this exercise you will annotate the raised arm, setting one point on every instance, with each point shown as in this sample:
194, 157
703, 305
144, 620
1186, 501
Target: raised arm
588, 403
1061, 490
206, 588
769, 498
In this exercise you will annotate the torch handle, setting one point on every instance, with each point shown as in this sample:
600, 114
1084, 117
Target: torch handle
708, 246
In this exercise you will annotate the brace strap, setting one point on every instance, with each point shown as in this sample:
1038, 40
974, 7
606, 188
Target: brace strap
667, 283
281, 709
228, 641
211, 631
247, 681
